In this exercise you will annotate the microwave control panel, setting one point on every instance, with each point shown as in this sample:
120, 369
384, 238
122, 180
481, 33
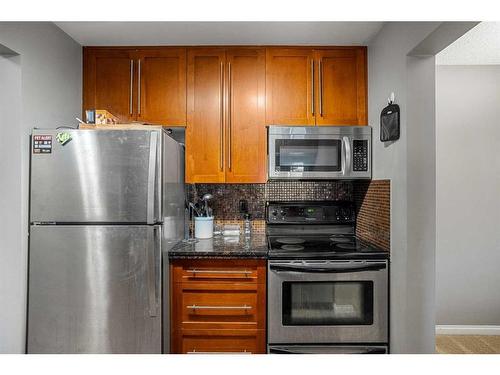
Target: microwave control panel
360, 155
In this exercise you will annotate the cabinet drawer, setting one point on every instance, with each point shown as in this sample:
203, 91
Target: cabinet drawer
220, 341
247, 271
219, 307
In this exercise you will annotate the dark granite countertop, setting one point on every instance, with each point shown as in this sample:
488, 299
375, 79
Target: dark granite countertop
219, 246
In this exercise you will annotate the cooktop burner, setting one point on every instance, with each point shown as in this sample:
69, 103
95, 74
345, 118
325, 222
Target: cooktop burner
292, 247
290, 240
340, 239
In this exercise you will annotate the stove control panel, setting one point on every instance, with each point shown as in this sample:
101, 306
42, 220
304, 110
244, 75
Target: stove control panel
310, 212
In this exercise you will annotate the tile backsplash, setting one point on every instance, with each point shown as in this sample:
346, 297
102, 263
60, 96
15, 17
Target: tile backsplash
226, 199
371, 198
373, 212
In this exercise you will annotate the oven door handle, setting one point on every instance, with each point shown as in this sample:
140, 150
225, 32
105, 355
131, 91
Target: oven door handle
329, 269
354, 351
283, 351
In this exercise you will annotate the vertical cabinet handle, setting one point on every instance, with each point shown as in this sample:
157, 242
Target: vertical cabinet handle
221, 161
139, 86
320, 71
131, 86
230, 123
312, 87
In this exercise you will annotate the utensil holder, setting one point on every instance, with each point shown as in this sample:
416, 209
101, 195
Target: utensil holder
204, 227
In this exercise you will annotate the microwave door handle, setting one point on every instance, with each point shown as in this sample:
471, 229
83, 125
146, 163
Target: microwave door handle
328, 269
342, 156
346, 166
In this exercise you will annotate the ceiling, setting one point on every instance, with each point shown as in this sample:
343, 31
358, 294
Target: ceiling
220, 33
480, 46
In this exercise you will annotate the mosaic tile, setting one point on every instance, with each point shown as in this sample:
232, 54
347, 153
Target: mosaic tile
225, 203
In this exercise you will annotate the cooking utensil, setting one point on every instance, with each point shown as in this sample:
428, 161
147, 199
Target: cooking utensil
195, 209
205, 199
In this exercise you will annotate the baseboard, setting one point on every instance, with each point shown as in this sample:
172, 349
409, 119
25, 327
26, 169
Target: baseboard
467, 330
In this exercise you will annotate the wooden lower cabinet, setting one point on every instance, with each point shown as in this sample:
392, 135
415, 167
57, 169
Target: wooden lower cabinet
219, 341
218, 306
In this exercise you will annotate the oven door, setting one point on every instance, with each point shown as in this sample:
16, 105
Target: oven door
313, 302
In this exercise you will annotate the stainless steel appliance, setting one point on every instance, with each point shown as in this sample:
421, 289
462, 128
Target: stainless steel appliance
320, 152
327, 290
105, 205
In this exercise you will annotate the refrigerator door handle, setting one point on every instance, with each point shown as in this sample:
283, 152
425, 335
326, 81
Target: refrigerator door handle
152, 273
158, 257
153, 146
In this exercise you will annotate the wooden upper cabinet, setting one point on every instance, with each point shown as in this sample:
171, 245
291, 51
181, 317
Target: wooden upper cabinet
108, 81
226, 96
289, 86
316, 86
341, 96
162, 85
226, 135
205, 115
246, 132
143, 84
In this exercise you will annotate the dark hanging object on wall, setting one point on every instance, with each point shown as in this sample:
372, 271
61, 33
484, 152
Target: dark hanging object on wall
389, 123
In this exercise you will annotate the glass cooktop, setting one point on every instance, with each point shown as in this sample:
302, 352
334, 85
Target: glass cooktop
314, 246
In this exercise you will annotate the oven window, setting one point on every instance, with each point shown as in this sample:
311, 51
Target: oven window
327, 303
303, 155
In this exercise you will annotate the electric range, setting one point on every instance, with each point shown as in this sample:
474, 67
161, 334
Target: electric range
316, 230
327, 289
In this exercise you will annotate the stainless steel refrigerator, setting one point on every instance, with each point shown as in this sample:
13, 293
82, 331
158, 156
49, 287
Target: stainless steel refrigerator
105, 207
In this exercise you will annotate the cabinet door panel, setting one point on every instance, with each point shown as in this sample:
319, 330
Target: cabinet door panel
289, 85
245, 103
205, 117
342, 87
109, 78
163, 86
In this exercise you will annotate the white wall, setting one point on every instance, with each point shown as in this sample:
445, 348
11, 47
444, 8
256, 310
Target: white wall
12, 258
391, 70
50, 95
468, 195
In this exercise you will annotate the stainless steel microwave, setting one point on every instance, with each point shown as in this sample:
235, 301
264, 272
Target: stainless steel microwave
320, 152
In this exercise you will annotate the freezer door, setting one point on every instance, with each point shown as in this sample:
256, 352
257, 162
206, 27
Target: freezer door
94, 289
100, 176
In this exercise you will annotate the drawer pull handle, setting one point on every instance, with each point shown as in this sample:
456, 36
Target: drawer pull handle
195, 307
194, 351
245, 272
